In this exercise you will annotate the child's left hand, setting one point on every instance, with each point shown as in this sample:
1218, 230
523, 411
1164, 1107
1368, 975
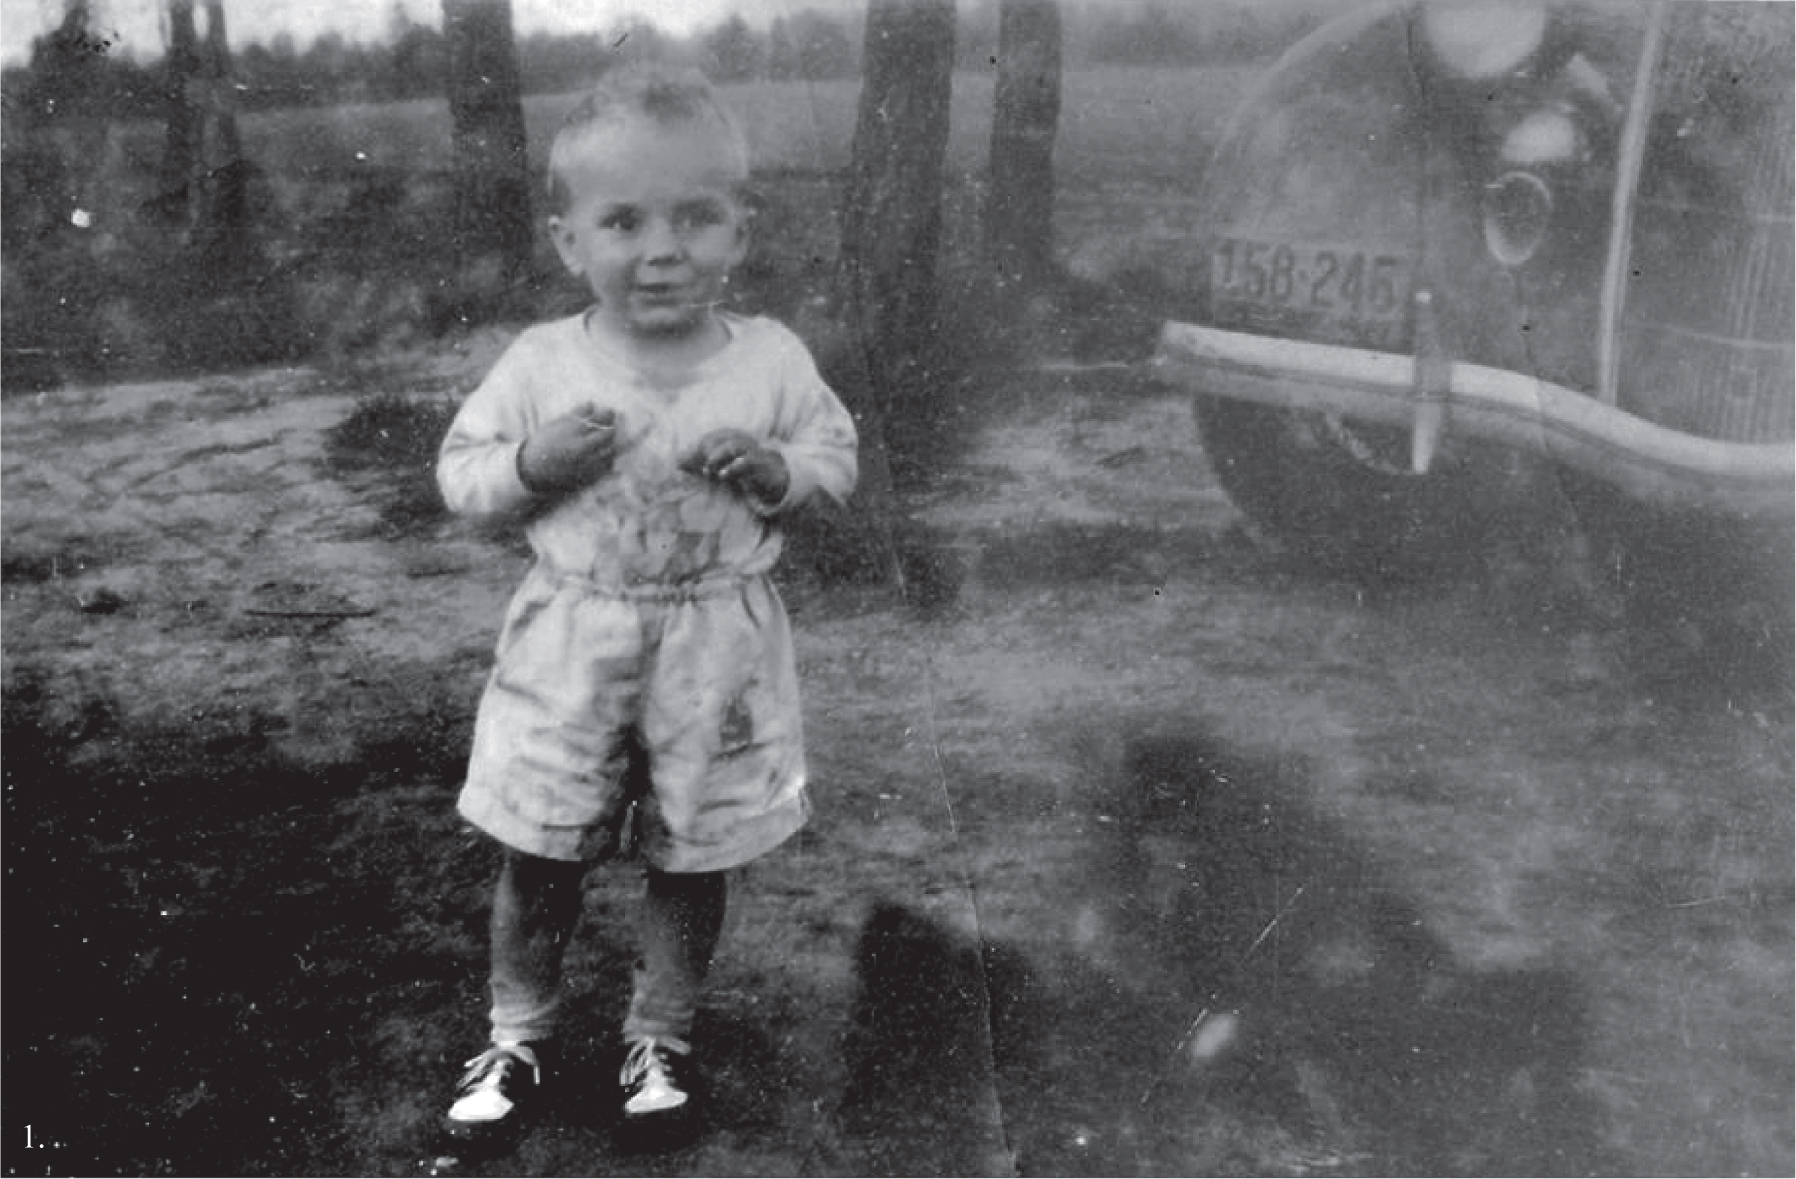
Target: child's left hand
737, 458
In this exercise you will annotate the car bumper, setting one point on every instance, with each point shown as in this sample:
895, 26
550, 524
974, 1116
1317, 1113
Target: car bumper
1644, 460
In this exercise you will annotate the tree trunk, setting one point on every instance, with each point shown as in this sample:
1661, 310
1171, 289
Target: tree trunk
221, 212
492, 187
62, 114
185, 127
227, 144
54, 156
891, 214
1019, 212
205, 179
891, 232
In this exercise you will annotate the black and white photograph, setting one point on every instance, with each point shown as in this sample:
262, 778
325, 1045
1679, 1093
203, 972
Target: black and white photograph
898, 587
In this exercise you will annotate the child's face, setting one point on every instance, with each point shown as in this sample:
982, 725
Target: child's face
652, 224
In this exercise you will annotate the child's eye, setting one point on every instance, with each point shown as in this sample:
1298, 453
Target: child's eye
700, 215
620, 220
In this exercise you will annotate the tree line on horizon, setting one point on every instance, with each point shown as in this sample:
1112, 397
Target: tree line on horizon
411, 60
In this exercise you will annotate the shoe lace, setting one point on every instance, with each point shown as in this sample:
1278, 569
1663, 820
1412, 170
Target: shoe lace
646, 1063
489, 1068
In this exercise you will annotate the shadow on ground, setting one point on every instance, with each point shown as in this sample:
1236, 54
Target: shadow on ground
1244, 992
918, 1050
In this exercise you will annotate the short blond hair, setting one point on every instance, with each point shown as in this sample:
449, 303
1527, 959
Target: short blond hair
667, 96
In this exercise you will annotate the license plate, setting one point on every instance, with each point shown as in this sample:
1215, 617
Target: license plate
1326, 294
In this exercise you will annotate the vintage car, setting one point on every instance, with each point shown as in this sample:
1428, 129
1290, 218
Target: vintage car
1446, 242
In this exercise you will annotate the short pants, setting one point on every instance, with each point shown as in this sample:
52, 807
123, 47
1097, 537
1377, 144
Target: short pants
694, 685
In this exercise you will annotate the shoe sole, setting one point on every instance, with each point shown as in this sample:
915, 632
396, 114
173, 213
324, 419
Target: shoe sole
650, 1117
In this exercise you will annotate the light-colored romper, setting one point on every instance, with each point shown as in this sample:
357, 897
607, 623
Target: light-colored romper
648, 618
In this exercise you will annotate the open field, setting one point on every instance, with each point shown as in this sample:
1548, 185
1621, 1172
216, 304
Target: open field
1150, 123
346, 252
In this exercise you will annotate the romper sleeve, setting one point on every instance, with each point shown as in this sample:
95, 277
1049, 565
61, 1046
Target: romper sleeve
477, 464
816, 435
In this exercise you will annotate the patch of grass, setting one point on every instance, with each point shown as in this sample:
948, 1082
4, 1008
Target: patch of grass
391, 439
30, 555
391, 429
223, 935
32, 565
832, 548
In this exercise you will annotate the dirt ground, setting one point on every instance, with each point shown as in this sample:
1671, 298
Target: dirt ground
1138, 850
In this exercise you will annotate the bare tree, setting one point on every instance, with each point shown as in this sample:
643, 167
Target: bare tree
56, 134
886, 285
58, 123
1019, 211
181, 116
891, 210
221, 216
205, 179
221, 108
492, 187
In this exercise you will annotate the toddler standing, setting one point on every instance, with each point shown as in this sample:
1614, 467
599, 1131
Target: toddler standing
650, 447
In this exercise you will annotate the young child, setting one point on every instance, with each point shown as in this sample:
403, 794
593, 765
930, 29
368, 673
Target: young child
650, 447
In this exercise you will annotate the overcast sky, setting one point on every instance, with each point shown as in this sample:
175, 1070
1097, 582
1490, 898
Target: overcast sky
137, 26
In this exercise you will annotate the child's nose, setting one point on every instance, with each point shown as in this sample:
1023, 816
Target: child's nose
661, 241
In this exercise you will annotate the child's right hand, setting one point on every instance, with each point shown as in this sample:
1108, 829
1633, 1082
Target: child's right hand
570, 451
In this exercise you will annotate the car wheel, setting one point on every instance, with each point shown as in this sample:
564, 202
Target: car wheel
1340, 494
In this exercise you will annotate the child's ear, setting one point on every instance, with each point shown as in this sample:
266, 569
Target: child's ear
746, 207
744, 238
562, 234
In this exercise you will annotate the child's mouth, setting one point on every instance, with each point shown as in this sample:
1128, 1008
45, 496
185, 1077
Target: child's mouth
662, 296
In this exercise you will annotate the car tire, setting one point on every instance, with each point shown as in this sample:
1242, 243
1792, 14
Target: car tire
1340, 495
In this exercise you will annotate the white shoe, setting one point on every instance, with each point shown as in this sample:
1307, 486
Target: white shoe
650, 1078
